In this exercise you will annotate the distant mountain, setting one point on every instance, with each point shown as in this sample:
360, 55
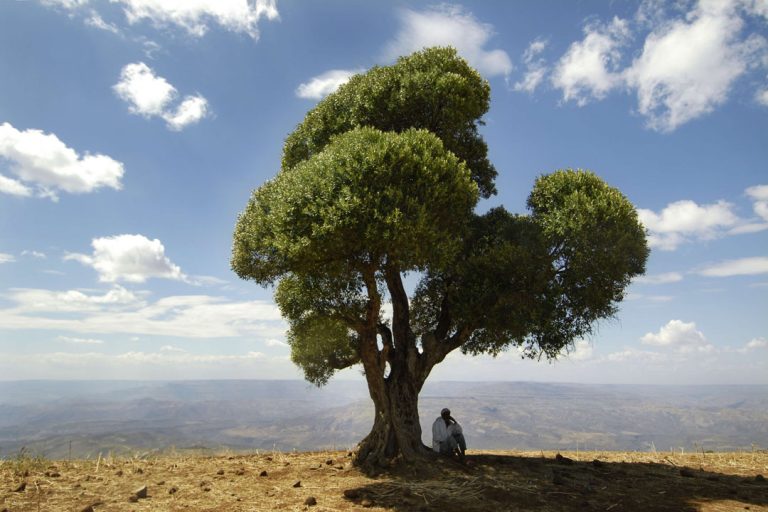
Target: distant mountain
145, 417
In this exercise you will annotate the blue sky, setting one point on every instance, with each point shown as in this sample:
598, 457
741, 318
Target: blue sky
133, 131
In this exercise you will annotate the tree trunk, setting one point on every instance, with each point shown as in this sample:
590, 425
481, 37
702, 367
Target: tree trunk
396, 431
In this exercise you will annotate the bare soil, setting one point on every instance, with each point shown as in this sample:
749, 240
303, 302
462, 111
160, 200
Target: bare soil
327, 481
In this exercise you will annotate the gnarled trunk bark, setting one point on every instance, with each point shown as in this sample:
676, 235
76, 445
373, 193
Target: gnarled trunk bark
396, 431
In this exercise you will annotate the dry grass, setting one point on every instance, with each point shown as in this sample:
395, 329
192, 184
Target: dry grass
492, 481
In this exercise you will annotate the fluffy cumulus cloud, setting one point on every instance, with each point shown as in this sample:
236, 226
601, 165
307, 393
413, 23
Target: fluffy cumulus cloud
150, 95
589, 69
325, 83
44, 166
6, 258
686, 220
759, 194
450, 25
193, 16
738, 267
686, 67
679, 335
129, 258
74, 300
535, 67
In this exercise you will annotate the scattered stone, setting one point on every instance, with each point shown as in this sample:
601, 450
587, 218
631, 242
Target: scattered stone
220, 472
311, 501
687, 473
89, 508
204, 483
21, 487
139, 471
760, 478
297, 483
263, 473
269, 458
329, 462
141, 492
240, 472
351, 494
133, 499
366, 503
161, 482
173, 490
119, 472
339, 467
563, 460
206, 489
52, 474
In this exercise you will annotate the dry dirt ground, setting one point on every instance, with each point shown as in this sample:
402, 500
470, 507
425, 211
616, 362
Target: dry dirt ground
325, 481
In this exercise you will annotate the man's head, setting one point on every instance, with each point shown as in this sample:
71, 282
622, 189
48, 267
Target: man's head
445, 413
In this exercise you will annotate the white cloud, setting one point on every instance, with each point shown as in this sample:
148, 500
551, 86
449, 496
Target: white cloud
582, 350
34, 254
589, 69
79, 341
325, 83
121, 312
762, 97
449, 25
756, 343
739, 267
6, 258
687, 67
634, 356
150, 96
130, 258
682, 336
684, 220
536, 68
96, 21
193, 16
43, 163
665, 278
190, 111
37, 300
14, 187
759, 194
275, 343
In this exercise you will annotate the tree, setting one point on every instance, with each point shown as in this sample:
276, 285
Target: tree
381, 179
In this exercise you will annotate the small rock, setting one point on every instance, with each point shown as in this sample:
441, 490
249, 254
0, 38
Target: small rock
119, 472
687, 473
563, 460
351, 494
133, 499
329, 462
141, 492
206, 489
339, 467
52, 474
759, 478
21, 487
204, 483
263, 473
220, 472
139, 471
297, 483
89, 508
311, 501
240, 472
161, 482
366, 503
269, 458
173, 490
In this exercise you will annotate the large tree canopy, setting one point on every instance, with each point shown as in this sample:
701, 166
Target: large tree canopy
381, 179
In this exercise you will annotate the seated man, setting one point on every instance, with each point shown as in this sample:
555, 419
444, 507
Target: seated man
447, 436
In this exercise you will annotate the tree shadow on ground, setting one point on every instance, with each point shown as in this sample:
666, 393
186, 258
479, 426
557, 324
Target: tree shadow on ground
506, 482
